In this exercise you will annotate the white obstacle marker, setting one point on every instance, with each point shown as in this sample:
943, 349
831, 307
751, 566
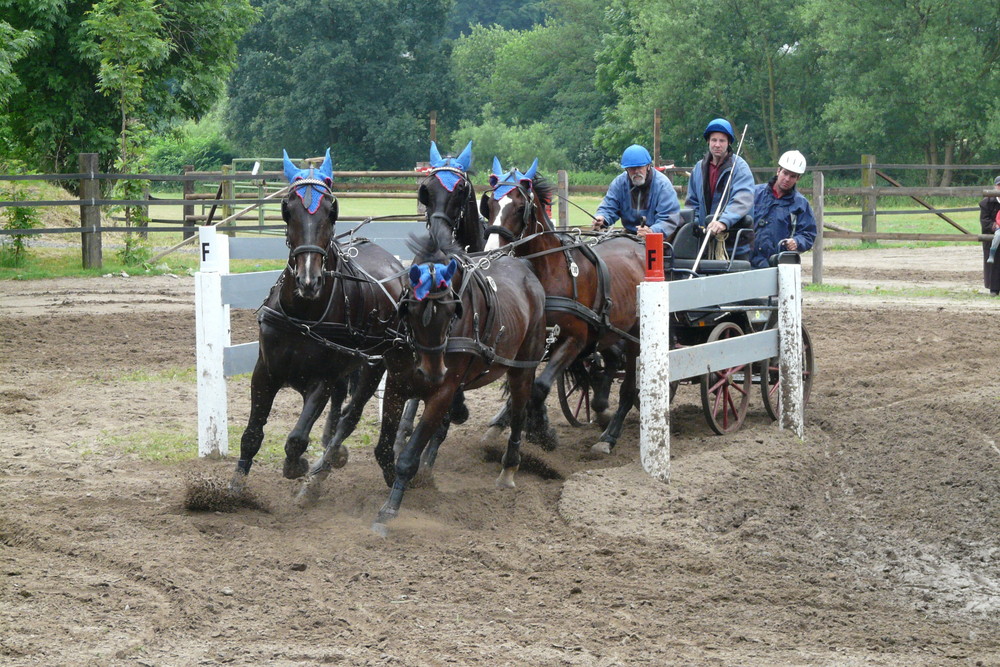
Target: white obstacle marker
659, 365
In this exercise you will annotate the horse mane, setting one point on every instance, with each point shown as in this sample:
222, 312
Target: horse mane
437, 244
543, 188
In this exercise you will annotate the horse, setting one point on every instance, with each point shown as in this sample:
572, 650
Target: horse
331, 312
469, 322
590, 287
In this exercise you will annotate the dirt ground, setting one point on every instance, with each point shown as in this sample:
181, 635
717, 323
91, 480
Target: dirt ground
874, 541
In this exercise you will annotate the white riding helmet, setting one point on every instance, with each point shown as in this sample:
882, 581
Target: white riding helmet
793, 161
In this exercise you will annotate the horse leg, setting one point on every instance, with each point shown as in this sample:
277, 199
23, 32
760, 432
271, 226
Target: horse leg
405, 425
408, 461
497, 425
539, 431
425, 473
392, 410
519, 382
314, 399
601, 380
626, 397
337, 397
263, 388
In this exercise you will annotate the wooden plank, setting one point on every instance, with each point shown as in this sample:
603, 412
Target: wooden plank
239, 359
893, 236
247, 290
701, 292
688, 362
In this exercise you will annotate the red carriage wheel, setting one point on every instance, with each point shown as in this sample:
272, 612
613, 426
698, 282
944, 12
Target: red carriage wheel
769, 377
725, 394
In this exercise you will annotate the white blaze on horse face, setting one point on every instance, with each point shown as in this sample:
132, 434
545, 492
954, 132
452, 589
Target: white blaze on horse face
494, 241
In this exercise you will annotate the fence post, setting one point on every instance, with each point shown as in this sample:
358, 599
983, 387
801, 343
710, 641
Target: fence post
228, 192
212, 336
790, 346
869, 204
819, 203
562, 193
656, 137
144, 211
188, 210
90, 215
654, 375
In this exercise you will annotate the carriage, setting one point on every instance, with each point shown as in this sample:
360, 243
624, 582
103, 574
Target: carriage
725, 393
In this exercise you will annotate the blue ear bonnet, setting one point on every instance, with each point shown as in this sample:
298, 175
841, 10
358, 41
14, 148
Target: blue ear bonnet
503, 182
310, 195
427, 277
449, 179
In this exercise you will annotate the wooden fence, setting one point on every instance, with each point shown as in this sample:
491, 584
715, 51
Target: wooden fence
239, 189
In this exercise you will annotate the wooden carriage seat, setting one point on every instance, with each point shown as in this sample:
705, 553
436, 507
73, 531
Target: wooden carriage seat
685, 251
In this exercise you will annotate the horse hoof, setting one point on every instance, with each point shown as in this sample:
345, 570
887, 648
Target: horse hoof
547, 439
295, 468
601, 448
506, 479
238, 484
308, 492
340, 457
380, 529
460, 414
493, 433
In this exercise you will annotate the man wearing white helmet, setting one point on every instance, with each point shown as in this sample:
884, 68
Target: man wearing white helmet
722, 171
642, 197
783, 219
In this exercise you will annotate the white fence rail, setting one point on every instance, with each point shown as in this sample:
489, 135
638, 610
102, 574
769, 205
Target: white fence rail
217, 291
659, 365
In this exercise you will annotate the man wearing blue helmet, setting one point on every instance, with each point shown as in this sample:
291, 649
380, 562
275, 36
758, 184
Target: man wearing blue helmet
642, 197
709, 178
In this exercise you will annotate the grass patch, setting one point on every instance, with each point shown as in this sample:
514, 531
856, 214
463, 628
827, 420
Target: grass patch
963, 294
188, 374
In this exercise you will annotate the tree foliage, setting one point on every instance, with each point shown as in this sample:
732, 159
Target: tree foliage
466, 15
360, 78
56, 111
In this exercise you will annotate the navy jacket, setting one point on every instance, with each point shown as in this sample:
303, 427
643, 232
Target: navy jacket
776, 219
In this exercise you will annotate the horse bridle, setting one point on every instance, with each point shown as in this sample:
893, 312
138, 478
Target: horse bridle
325, 191
463, 178
437, 298
526, 214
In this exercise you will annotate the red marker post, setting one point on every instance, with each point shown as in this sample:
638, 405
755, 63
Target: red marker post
654, 258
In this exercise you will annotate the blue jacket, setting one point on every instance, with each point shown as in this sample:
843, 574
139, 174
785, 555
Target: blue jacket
776, 219
664, 209
739, 198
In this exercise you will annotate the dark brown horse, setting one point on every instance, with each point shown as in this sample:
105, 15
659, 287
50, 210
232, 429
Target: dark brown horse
590, 287
469, 322
330, 313
450, 199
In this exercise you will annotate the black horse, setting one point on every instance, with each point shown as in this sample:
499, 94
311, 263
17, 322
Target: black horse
470, 323
330, 313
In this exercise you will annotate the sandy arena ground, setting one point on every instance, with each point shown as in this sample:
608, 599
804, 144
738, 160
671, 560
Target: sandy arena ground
875, 541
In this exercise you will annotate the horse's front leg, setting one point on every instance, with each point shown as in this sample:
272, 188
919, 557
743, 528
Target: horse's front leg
393, 400
314, 399
539, 430
425, 473
406, 425
626, 398
335, 454
519, 382
263, 388
408, 460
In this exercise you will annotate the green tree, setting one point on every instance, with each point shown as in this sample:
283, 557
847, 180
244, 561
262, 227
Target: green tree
515, 145
56, 112
14, 44
511, 14
360, 78
916, 80
125, 36
696, 61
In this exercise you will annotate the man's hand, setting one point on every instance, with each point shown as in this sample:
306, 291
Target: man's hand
790, 244
643, 230
599, 223
715, 228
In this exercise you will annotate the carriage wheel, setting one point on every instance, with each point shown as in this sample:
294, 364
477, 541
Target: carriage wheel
575, 393
725, 393
769, 378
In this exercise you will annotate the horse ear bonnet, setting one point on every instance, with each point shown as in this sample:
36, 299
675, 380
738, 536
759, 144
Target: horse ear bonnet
448, 178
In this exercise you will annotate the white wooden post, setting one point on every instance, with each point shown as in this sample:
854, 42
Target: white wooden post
212, 336
654, 379
790, 348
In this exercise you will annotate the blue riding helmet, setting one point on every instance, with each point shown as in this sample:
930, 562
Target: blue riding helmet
720, 125
636, 156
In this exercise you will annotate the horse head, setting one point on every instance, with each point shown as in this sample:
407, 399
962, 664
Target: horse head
310, 213
510, 207
433, 304
449, 198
